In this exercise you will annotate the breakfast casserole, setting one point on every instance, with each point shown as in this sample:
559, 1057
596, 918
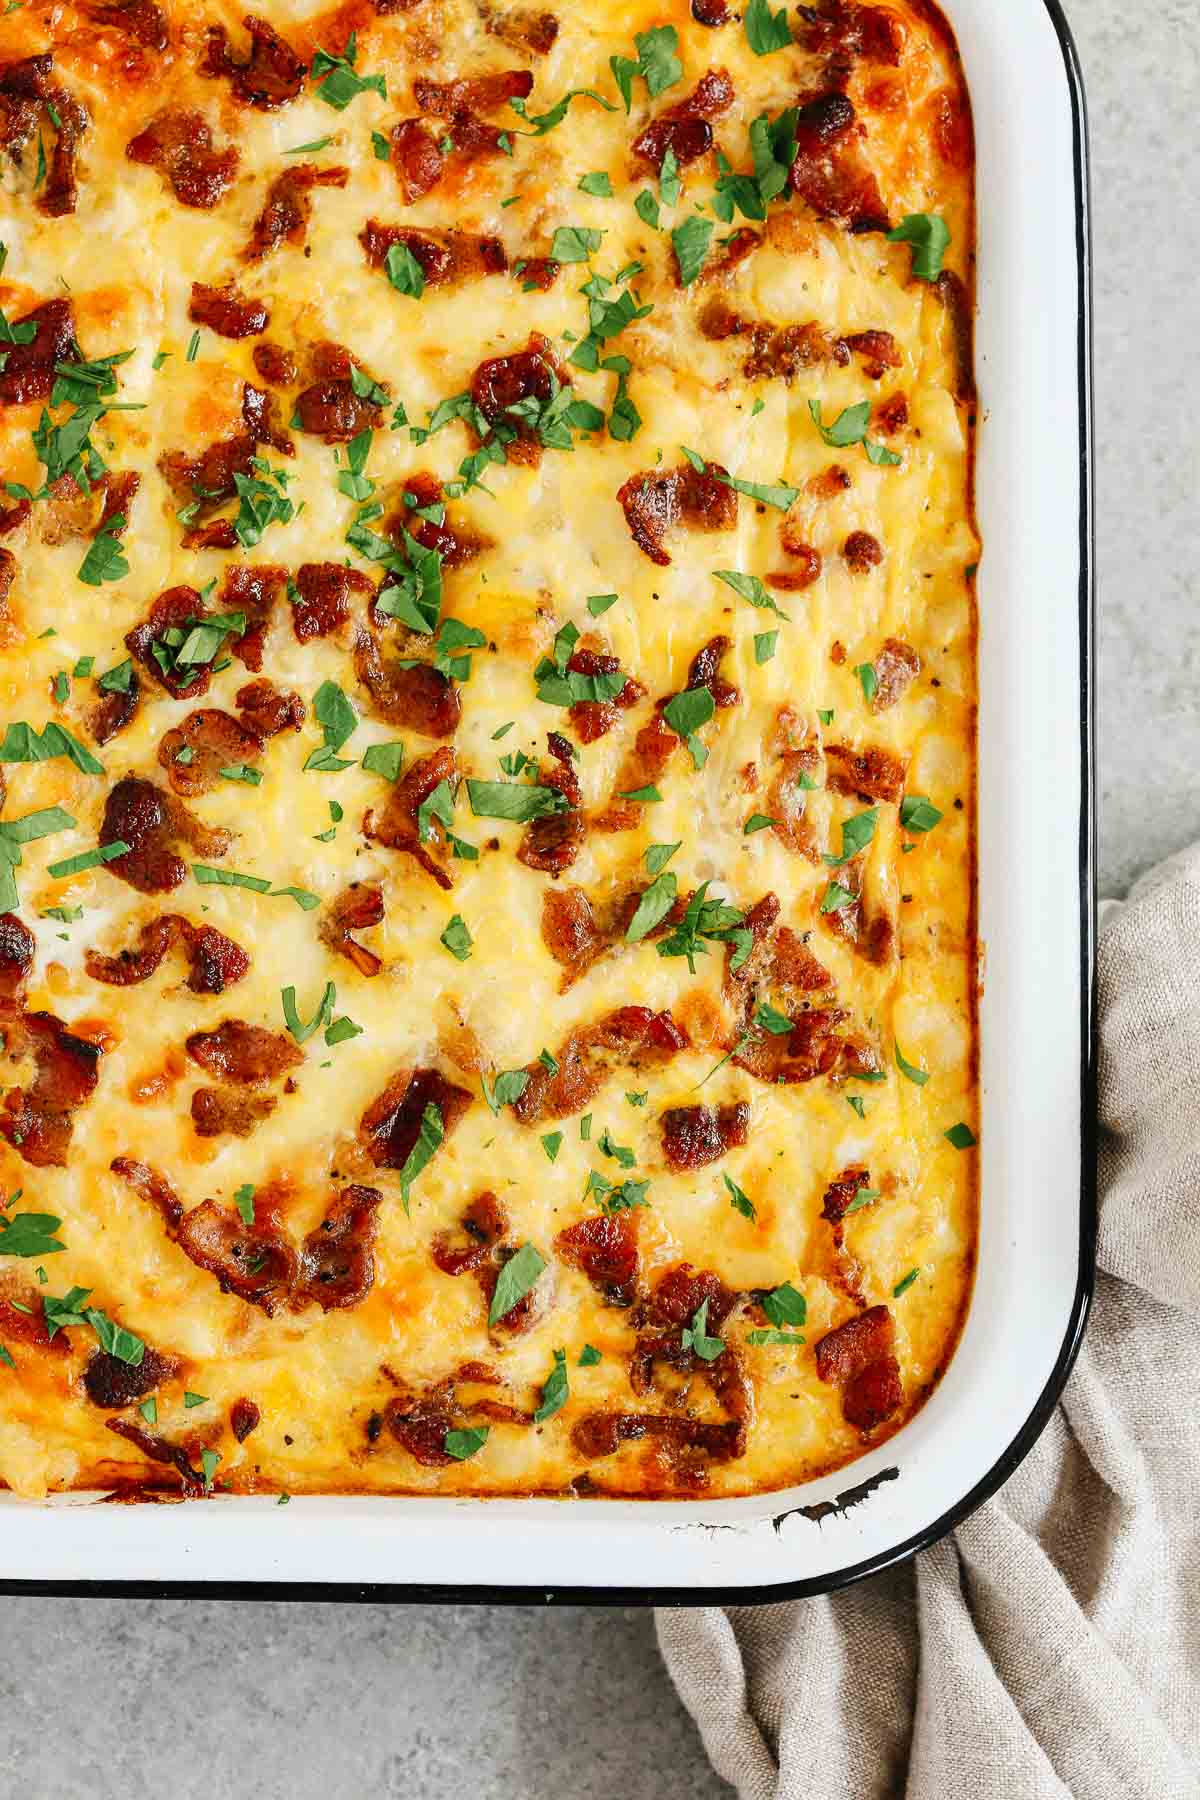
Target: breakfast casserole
487, 741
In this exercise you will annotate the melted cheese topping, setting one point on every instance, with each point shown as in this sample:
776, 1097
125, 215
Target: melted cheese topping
126, 259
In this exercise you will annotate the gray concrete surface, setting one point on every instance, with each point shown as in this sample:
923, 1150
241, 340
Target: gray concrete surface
108, 1698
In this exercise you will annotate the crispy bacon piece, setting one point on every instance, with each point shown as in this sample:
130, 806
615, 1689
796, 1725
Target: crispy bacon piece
244, 1417
335, 1265
398, 826
781, 353
807, 567
694, 1136
357, 909
276, 366
779, 962
111, 1383
227, 311
479, 93
550, 845
656, 501
139, 814
392, 1123
844, 31
841, 1193
216, 961
255, 1262
711, 13
679, 1294
420, 1421
445, 257
266, 710
879, 352
521, 28
653, 748
209, 477
331, 409
415, 158
253, 590
504, 381
844, 1270
860, 1358
211, 741
453, 544
725, 258
178, 142
816, 1046
272, 74
140, 20
570, 931
685, 128
161, 1450
39, 1120
288, 207
17, 945
605, 1247
221, 1112
870, 774
951, 291
11, 519
828, 171
704, 670
27, 93
537, 272
23, 87
416, 698
246, 1054
593, 719
59, 195
337, 1260
896, 667
8, 573
321, 602
862, 552
631, 1037
601, 1434
152, 1186
795, 758
28, 372
484, 1224
871, 935
174, 609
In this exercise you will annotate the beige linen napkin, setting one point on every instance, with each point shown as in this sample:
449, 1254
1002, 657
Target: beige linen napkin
1051, 1646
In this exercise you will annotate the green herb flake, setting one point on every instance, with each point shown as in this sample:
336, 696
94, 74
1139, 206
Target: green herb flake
88, 859
868, 679
514, 1281
30, 1234
903, 1286
589, 1356
598, 604
929, 236
695, 1337
750, 588
404, 271
243, 1199
341, 84
765, 644
552, 1144
191, 1400
301, 1029
384, 759
918, 1076
555, 1390
739, 1200
691, 242
757, 822
599, 183
785, 1305
766, 31
917, 813
457, 939
961, 1136
464, 1444
856, 835
428, 1138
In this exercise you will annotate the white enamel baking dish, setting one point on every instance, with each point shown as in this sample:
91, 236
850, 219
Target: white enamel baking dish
1036, 925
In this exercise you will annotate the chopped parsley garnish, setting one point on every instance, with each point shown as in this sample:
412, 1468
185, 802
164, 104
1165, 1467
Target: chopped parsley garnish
589, 1356
915, 1075
515, 1280
653, 907
961, 1136
544, 122
776, 494
30, 1234
599, 604
191, 1400
739, 1200
768, 1018
866, 1196
555, 1390
404, 271
520, 801
464, 1444
68, 1309
916, 813
929, 236
384, 759
705, 918
22, 744
685, 713
750, 588
757, 822
646, 208
559, 685
695, 1337
656, 63
620, 1153
193, 347
552, 1144
507, 1089
457, 939
302, 1029
207, 876
766, 31
243, 1199
765, 644
341, 83
773, 148
341, 1031
638, 1099
645, 796
903, 1286
88, 859
598, 183
659, 855
351, 480
263, 502
105, 559
149, 1410
574, 243
428, 1138
118, 679
868, 680
785, 1305
321, 143
772, 1335
850, 427
856, 835
691, 242
836, 896
623, 1197
855, 1102
14, 833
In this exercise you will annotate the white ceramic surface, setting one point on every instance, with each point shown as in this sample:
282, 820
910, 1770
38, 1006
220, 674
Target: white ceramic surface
1035, 921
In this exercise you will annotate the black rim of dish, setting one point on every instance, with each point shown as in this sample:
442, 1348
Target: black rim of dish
414, 1592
